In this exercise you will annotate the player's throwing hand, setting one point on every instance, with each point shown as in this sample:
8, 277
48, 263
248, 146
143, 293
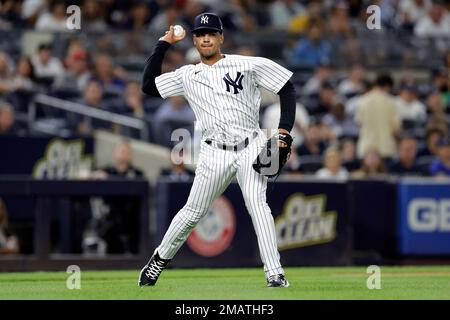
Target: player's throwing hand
171, 38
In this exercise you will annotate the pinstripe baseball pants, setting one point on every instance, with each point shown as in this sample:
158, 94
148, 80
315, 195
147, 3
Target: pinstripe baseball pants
215, 170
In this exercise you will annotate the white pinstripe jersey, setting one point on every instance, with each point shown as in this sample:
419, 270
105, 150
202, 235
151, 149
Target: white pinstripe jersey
225, 96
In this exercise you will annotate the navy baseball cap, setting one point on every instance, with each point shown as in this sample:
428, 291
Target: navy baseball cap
207, 21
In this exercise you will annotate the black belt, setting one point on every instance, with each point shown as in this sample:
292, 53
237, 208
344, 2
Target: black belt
241, 145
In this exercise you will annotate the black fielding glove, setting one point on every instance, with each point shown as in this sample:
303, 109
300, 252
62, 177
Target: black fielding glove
272, 158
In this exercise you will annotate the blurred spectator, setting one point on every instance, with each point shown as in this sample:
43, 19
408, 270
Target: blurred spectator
46, 66
340, 33
9, 243
327, 134
174, 113
119, 227
435, 24
408, 106
312, 51
134, 100
55, 19
434, 102
372, 165
169, 16
92, 97
406, 164
10, 14
312, 144
178, 171
6, 73
175, 109
123, 167
299, 23
411, 11
283, 11
430, 149
338, 22
341, 123
378, 119
32, 9
353, 84
271, 119
132, 104
332, 167
25, 77
139, 16
77, 72
348, 154
327, 98
7, 120
388, 13
110, 77
93, 16
437, 117
441, 166
322, 74
440, 79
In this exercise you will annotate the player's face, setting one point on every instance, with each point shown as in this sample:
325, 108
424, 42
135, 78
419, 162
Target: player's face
208, 43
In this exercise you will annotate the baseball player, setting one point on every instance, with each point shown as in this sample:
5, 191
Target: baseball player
223, 92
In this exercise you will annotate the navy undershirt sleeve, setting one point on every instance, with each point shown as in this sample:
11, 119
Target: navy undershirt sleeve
153, 68
288, 105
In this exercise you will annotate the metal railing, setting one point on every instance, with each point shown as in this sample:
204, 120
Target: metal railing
78, 108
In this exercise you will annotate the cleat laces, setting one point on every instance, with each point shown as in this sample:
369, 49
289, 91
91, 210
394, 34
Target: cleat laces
154, 270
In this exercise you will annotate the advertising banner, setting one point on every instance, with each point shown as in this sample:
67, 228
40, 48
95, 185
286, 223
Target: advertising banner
424, 217
311, 220
41, 157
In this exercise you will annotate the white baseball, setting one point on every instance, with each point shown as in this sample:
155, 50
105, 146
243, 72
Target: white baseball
178, 30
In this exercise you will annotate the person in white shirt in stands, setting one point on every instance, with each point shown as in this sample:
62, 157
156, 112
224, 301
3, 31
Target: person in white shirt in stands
55, 19
332, 168
353, 83
45, 65
408, 106
435, 24
411, 11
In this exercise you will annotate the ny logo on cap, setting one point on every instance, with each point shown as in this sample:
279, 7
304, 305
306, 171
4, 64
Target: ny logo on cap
204, 19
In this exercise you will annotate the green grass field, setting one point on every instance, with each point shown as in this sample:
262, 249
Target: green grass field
425, 282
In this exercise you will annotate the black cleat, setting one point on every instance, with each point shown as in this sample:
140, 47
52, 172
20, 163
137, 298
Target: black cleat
151, 271
277, 280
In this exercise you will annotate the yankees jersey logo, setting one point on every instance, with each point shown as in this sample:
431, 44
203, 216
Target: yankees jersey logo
236, 83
